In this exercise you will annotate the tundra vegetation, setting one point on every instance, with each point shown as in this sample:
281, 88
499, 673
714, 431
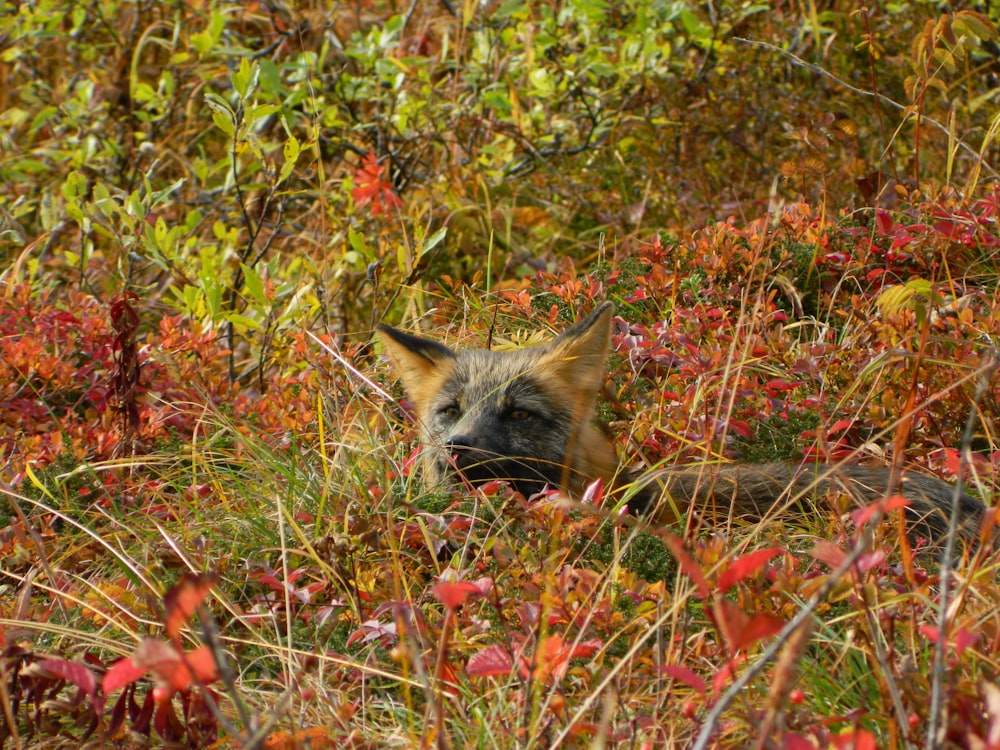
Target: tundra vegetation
210, 531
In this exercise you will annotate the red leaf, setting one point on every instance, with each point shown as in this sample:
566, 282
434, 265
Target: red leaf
724, 675
74, 672
884, 221
745, 566
857, 739
174, 671
183, 598
687, 565
452, 594
123, 673
796, 742
840, 425
964, 639
586, 648
778, 385
684, 675
593, 494
483, 585
373, 630
961, 638
870, 560
949, 229
740, 629
863, 515
829, 553
155, 654
491, 661
741, 428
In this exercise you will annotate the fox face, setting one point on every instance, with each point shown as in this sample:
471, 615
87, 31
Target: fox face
522, 416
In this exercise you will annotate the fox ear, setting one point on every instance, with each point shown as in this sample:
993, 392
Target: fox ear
578, 354
417, 360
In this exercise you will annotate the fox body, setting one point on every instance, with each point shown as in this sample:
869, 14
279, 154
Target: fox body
527, 416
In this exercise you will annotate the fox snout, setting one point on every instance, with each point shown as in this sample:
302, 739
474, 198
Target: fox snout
478, 460
470, 458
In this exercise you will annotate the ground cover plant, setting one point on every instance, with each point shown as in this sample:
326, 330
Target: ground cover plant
212, 530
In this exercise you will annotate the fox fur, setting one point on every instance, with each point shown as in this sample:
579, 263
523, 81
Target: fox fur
527, 417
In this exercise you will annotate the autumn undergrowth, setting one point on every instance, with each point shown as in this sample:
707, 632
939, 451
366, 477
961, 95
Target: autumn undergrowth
341, 583
213, 527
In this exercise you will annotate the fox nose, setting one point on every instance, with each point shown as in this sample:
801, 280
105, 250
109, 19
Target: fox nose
465, 451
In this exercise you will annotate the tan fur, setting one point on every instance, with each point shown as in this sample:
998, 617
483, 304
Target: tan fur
528, 416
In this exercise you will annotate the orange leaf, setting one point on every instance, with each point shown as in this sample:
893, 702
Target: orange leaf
317, 738
829, 553
554, 655
183, 598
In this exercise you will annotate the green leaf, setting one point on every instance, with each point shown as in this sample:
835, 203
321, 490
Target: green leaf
241, 78
222, 113
161, 196
160, 233
254, 285
225, 124
242, 321
261, 110
976, 25
291, 154
433, 241
498, 100
358, 243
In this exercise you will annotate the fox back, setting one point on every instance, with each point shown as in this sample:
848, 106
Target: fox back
525, 416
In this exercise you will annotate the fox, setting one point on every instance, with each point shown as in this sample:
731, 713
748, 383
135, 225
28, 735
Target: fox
528, 417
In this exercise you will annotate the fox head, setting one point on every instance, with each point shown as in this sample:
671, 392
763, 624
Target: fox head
524, 416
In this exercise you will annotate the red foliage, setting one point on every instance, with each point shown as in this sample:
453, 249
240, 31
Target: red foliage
372, 188
745, 566
740, 629
490, 662
452, 594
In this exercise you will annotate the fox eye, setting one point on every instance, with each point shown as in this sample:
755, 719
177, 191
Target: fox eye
451, 411
519, 414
